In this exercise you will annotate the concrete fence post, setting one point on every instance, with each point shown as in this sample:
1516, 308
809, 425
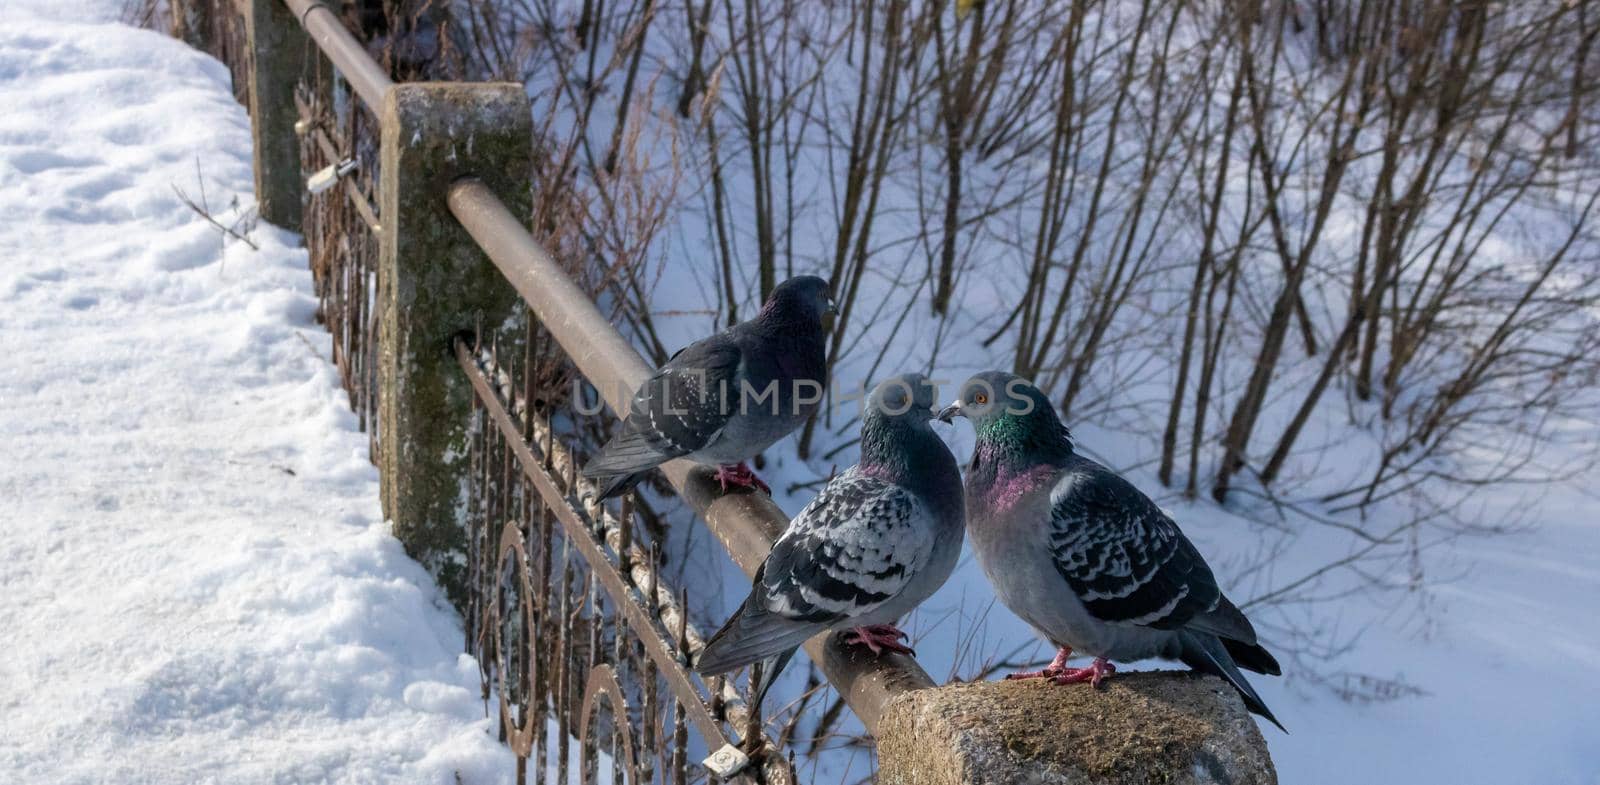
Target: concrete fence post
280, 56
433, 284
1139, 728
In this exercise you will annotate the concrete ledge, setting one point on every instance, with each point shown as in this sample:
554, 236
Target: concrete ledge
1153, 727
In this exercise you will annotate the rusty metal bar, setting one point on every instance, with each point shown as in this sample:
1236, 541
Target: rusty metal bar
581, 537
641, 572
365, 77
601, 353
746, 524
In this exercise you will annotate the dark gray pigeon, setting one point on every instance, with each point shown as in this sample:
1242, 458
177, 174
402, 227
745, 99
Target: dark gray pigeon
1084, 557
878, 540
722, 400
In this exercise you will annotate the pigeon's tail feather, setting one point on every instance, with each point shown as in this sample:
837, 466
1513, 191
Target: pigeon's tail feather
1225, 621
611, 485
1208, 654
628, 452
1252, 657
771, 667
749, 637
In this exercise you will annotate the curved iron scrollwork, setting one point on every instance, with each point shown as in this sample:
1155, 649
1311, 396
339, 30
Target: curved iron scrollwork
514, 708
603, 683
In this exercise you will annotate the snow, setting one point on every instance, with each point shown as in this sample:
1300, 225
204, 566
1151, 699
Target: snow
1510, 671
196, 582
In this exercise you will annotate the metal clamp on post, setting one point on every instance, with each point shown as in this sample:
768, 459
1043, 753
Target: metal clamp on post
329, 175
726, 762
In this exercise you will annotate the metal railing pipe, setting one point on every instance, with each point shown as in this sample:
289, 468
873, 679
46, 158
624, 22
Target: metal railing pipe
365, 77
746, 524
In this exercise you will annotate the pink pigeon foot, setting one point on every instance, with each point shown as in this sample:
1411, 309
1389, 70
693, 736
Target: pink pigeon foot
739, 476
1097, 670
879, 638
1056, 667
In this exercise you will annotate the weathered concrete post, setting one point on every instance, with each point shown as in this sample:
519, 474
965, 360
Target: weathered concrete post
280, 56
1139, 728
434, 283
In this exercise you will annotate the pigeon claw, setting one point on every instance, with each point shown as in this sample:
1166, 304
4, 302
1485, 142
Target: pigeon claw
879, 638
1097, 671
739, 476
1056, 667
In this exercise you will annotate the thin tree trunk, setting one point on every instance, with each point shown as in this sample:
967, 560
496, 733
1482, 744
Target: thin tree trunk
1202, 271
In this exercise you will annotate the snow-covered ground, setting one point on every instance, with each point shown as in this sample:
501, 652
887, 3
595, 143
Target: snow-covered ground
196, 583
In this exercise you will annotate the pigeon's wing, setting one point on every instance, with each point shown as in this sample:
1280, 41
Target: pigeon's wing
677, 411
854, 547
1125, 559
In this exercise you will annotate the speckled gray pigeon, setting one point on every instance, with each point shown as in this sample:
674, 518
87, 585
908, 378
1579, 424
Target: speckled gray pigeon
723, 399
878, 540
1084, 557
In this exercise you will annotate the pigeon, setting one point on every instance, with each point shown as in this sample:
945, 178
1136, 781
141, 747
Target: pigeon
723, 399
1083, 557
878, 539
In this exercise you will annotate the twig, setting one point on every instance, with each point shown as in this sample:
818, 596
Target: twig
203, 214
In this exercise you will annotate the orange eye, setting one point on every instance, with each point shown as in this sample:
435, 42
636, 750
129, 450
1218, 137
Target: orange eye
980, 398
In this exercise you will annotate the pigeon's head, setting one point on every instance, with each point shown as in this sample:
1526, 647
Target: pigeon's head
910, 397
897, 439
802, 300
1007, 407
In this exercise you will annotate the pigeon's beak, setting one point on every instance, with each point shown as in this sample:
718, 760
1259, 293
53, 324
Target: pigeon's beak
829, 314
948, 413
